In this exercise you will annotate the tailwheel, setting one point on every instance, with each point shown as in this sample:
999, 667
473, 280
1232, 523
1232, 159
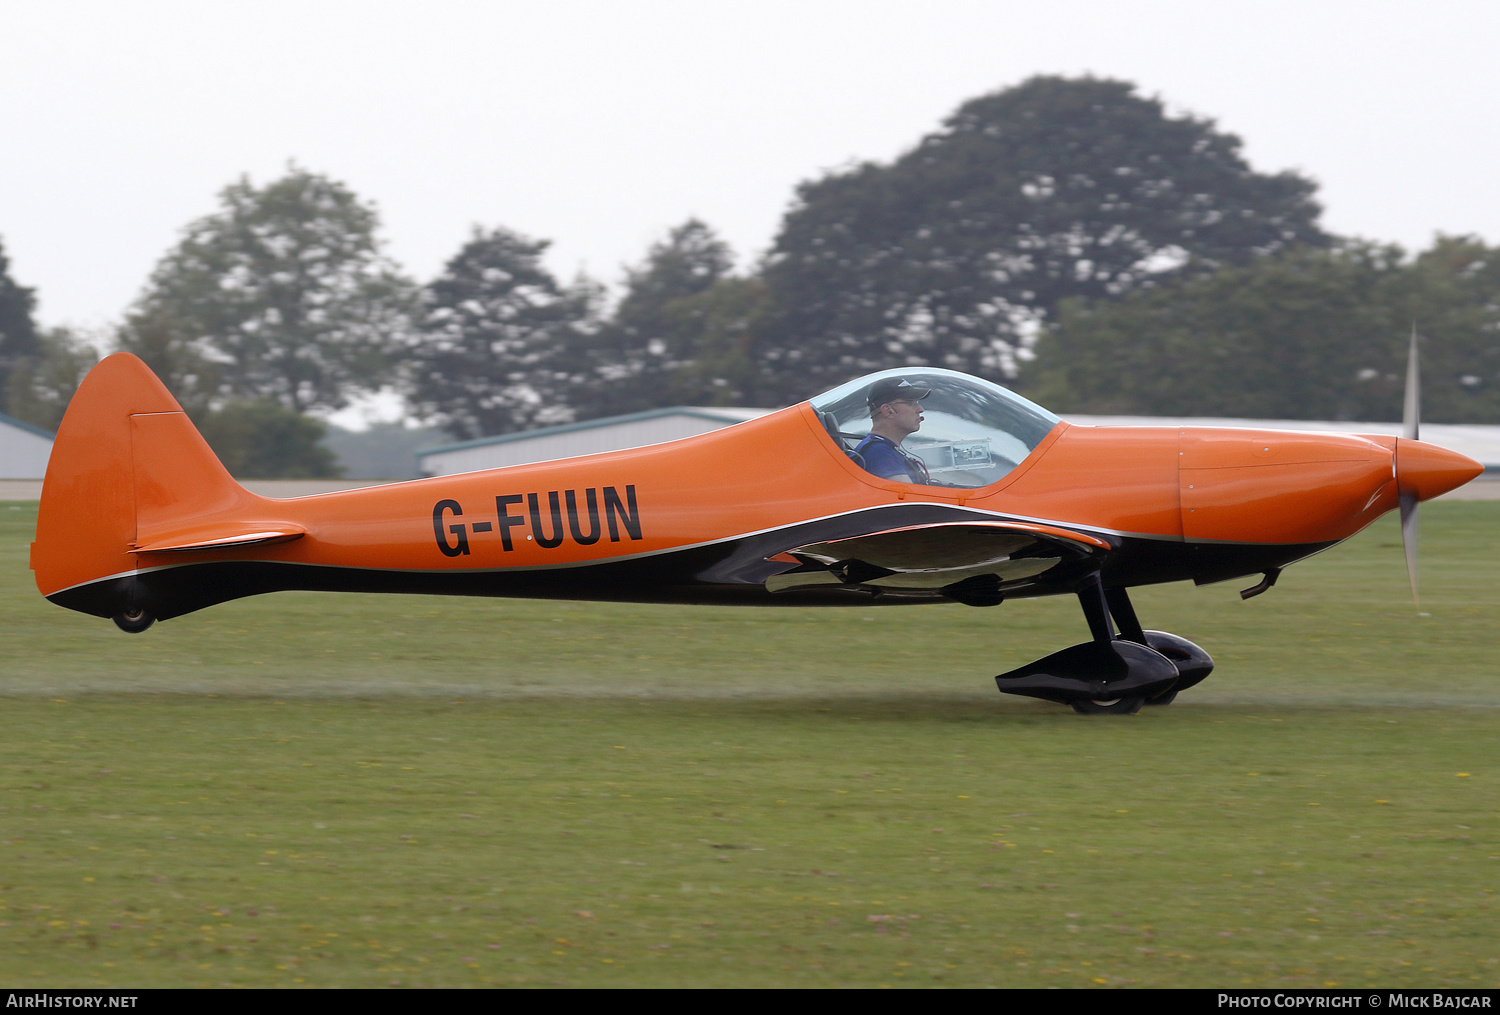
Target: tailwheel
133, 621
1109, 706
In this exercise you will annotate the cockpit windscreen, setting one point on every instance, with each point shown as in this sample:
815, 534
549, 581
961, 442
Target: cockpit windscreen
972, 432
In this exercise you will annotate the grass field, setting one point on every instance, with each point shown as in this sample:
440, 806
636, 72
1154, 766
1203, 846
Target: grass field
315, 790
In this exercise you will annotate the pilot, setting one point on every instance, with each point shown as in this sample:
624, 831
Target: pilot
895, 413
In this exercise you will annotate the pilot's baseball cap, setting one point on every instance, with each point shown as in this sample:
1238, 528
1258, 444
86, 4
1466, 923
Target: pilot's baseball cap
894, 389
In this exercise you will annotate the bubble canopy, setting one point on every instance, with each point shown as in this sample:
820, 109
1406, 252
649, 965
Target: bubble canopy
973, 431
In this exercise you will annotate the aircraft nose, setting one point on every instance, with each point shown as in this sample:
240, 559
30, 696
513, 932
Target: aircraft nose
1428, 470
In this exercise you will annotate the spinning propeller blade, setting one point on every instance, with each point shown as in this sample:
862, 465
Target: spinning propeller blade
1409, 541
1410, 424
1412, 409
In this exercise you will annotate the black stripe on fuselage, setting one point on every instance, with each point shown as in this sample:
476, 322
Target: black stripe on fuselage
729, 572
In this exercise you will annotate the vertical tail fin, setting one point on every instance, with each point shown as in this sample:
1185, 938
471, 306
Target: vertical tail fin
128, 470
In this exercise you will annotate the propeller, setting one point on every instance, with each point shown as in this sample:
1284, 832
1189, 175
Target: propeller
1410, 416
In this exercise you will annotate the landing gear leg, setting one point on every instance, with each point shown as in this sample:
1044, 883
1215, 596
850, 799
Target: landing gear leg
1098, 605
1124, 614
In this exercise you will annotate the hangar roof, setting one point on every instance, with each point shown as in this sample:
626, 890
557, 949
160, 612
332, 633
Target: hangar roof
21, 424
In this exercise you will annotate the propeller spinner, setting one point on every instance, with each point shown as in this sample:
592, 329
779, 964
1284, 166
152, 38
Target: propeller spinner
1423, 471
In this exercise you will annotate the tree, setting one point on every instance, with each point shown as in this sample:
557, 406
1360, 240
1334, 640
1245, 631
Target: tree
500, 346
643, 354
40, 385
959, 251
1313, 334
266, 440
725, 319
164, 339
18, 335
282, 294
1452, 293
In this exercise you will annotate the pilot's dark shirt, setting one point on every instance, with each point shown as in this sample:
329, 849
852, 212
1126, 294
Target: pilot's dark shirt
885, 459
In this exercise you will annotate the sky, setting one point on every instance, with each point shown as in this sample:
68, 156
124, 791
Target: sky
600, 125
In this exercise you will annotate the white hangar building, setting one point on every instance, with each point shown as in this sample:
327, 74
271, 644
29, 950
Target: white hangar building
656, 426
24, 449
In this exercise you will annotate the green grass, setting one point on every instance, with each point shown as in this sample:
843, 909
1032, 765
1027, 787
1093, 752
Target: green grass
362, 791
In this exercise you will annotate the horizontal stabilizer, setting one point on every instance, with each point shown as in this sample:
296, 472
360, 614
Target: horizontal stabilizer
221, 537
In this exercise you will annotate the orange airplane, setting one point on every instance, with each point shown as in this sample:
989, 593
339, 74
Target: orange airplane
913, 485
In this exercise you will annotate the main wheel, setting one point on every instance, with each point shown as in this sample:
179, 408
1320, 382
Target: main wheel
134, 621
1110, 706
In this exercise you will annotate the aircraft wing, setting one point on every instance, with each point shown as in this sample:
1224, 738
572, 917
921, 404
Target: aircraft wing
972, 559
